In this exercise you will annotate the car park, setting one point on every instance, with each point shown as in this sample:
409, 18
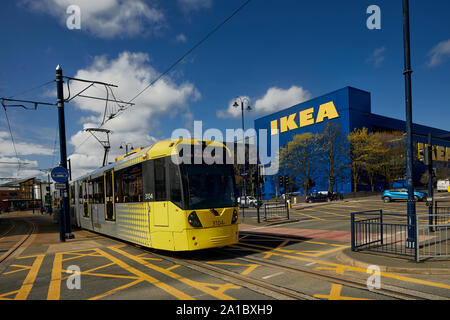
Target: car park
402, 194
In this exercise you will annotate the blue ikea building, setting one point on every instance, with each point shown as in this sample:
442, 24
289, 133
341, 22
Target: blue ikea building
350, 108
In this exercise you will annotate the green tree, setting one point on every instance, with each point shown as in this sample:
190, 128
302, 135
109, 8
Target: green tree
333, 152
300, 157
359, 150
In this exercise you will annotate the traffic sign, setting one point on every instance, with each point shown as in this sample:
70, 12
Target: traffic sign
60, 186
60, 174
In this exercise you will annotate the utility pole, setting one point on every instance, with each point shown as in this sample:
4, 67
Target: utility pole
65, 216
411, 204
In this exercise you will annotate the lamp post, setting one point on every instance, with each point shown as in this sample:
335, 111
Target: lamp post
411, 204
243, 101
125, 144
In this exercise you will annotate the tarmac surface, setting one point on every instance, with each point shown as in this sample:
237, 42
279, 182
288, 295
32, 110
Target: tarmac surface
307, 256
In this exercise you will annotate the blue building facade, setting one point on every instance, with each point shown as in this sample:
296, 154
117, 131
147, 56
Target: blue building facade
350, 108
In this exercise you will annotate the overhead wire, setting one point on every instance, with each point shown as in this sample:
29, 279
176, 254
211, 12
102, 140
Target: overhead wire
12, 139
31, 89
208, 35
192, 49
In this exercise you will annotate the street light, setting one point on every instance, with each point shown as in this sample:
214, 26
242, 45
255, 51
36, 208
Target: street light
243, 101
124, 144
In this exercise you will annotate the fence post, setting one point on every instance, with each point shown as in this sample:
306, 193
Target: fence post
352, 230
435, 215
416, 246
265, 212
381, 226
287, 210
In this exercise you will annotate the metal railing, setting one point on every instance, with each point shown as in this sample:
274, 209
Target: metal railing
276, 211
388, 233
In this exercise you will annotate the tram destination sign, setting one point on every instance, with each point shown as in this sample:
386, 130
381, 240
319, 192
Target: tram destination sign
60, 174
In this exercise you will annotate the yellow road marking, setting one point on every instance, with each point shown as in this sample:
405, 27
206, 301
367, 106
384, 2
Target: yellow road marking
173, 267
198, 285
54, 291
250, 268
21, 268
169, 289
335, 294
384, 274
116, 290
2, 296
27, 285
307, 215
309, 253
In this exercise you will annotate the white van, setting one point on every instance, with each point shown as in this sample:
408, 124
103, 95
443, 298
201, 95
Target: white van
443, 185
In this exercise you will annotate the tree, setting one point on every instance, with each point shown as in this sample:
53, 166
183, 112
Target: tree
393, 158
359, 142
333, 152
300, 157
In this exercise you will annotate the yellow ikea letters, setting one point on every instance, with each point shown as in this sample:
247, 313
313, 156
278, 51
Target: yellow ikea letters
306, 118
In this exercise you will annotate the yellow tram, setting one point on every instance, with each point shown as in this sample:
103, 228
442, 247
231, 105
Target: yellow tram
147, 199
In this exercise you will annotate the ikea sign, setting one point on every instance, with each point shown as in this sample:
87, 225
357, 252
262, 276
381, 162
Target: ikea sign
304, 118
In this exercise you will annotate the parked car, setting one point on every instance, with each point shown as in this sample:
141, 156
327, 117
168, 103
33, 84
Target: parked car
402, 194
251, 202
320, 196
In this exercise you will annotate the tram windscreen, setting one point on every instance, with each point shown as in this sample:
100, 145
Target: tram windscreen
210, 186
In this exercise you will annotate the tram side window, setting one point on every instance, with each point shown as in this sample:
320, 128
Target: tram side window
175, 184
160, 180
72, 194
80, 193
98, 191
129, 185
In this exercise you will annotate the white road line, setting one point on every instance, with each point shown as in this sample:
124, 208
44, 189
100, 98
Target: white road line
310, 264
272, 275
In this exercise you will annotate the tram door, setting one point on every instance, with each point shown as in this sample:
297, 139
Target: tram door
160, 205
109, 196
85, 199
93, 207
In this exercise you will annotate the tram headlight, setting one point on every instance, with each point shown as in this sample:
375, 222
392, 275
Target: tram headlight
235, 217
194, 220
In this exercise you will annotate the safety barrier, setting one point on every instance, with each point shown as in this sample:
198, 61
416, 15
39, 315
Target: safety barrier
388, 233
276, 211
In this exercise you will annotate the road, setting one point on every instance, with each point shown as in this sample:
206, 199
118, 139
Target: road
271, 262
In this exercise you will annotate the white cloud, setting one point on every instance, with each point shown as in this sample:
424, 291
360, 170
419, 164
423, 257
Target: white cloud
10, 169
194, 5
277, 99
131, 72
23, 148
377, 57
439, 53
274, 100
181, 38
106, 18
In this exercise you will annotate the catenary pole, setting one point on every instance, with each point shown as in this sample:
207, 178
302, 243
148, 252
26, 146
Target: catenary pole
411, 204
64, 217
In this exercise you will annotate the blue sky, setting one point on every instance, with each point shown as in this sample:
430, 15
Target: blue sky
277, 53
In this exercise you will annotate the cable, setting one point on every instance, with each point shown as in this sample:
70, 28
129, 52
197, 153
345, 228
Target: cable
12, 139
192, 49
179, 60
32, 89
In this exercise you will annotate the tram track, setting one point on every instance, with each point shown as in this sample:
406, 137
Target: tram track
265, 288
19, 243
387, 290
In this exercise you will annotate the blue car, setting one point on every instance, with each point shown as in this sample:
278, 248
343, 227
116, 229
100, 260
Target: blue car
402, 194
